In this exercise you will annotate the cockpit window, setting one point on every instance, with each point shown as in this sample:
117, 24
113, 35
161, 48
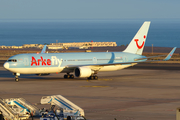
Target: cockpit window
12, 60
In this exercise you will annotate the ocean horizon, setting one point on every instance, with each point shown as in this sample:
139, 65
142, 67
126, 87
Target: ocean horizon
162, 33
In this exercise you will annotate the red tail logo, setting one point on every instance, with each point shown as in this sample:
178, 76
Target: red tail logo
139, 46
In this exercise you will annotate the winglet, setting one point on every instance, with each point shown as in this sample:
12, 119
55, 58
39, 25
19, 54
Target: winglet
170, 54
44, 49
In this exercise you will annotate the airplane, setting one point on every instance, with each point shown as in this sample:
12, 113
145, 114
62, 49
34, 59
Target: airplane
83, 65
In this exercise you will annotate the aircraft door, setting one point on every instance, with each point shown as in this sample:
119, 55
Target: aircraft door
26, 61
94, 60
125, 59
60, 63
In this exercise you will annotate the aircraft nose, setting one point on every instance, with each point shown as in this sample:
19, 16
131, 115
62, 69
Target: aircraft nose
6, 65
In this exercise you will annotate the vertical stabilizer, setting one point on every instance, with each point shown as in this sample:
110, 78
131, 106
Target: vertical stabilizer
136, 46
44, 49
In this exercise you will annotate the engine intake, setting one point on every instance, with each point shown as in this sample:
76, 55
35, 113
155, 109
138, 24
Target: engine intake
83, 72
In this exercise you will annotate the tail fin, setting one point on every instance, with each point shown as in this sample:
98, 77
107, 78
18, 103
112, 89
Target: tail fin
136, 46
44, 49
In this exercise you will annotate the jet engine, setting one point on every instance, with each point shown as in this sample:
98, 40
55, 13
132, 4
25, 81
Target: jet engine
83, 72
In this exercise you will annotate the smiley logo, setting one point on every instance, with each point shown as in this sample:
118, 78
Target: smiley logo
139, 46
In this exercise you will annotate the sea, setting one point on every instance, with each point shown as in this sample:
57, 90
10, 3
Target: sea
162, 32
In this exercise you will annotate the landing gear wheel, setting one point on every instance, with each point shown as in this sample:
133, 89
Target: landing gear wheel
95, 77
69, 76
17, 79
65, 76
90, 78
72, 76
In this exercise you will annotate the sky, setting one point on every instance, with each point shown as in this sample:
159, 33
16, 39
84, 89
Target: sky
89, 9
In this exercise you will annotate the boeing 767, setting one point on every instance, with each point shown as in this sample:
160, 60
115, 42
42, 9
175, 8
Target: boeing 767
85, 65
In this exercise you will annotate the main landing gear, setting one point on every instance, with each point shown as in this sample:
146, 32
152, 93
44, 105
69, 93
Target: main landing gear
93, 77
16, 76
69, 76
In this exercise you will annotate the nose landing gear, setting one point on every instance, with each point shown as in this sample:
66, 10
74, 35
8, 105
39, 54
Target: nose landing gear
16, 76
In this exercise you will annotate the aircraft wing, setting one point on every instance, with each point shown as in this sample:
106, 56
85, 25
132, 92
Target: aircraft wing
167, 58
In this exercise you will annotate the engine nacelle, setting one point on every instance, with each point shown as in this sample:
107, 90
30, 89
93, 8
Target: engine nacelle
83, 72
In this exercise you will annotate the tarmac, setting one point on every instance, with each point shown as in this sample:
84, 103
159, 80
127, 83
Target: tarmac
142, 92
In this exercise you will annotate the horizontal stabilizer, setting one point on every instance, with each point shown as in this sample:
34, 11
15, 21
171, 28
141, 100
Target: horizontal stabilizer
170, 54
